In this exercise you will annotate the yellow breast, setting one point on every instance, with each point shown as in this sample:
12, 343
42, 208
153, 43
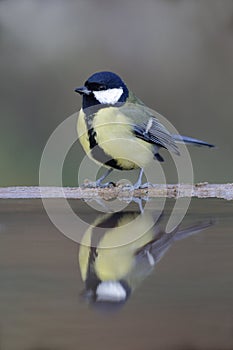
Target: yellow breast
117, 247
114, 135
82, 131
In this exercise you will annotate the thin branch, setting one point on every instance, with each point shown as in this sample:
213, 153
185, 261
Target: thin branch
200, 190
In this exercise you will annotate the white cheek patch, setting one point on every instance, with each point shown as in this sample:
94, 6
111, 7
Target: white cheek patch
110, 96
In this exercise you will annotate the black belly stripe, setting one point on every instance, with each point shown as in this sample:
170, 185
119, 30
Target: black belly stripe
92, 280
98, 153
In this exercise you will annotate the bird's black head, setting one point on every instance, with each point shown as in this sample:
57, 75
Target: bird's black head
103, 88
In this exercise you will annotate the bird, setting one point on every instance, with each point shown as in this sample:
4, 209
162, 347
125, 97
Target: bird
117, 130
115, 257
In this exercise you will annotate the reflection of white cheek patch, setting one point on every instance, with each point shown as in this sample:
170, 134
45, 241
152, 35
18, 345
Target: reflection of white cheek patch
110, 96
110, 291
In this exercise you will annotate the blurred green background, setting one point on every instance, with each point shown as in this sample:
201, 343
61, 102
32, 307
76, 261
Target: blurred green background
176, 55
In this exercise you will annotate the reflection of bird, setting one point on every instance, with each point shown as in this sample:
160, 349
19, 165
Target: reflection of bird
117, 130
110, 266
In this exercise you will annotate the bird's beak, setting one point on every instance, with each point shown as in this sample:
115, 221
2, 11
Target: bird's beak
82, 90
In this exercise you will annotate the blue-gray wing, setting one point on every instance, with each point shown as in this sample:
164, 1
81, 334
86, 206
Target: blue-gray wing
147, 126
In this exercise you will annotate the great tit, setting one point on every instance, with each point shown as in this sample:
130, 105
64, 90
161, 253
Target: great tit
111, 270
118, 130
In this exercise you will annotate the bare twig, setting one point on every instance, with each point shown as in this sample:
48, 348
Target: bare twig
200, 190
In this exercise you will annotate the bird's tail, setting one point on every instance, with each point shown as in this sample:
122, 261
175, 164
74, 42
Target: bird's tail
192, 141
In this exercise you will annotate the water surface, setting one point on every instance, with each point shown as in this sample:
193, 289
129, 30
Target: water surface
185, 302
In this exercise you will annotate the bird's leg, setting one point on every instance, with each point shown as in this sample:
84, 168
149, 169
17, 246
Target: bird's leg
98, 183
139, 203
138, 184
139, 181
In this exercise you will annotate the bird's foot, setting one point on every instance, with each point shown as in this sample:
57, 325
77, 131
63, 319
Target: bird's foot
138, 186
145, 185
98, 184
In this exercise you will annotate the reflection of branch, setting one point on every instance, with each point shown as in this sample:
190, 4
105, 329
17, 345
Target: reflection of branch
200, 190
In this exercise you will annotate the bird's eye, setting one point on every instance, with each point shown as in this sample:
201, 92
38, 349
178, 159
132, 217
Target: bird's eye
101, 87
95, 86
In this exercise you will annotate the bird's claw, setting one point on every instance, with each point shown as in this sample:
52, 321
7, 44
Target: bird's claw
146, 185
98, 184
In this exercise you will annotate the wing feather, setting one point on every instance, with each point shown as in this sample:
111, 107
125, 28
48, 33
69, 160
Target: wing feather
147, 127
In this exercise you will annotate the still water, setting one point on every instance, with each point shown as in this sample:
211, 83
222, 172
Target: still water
162, 291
